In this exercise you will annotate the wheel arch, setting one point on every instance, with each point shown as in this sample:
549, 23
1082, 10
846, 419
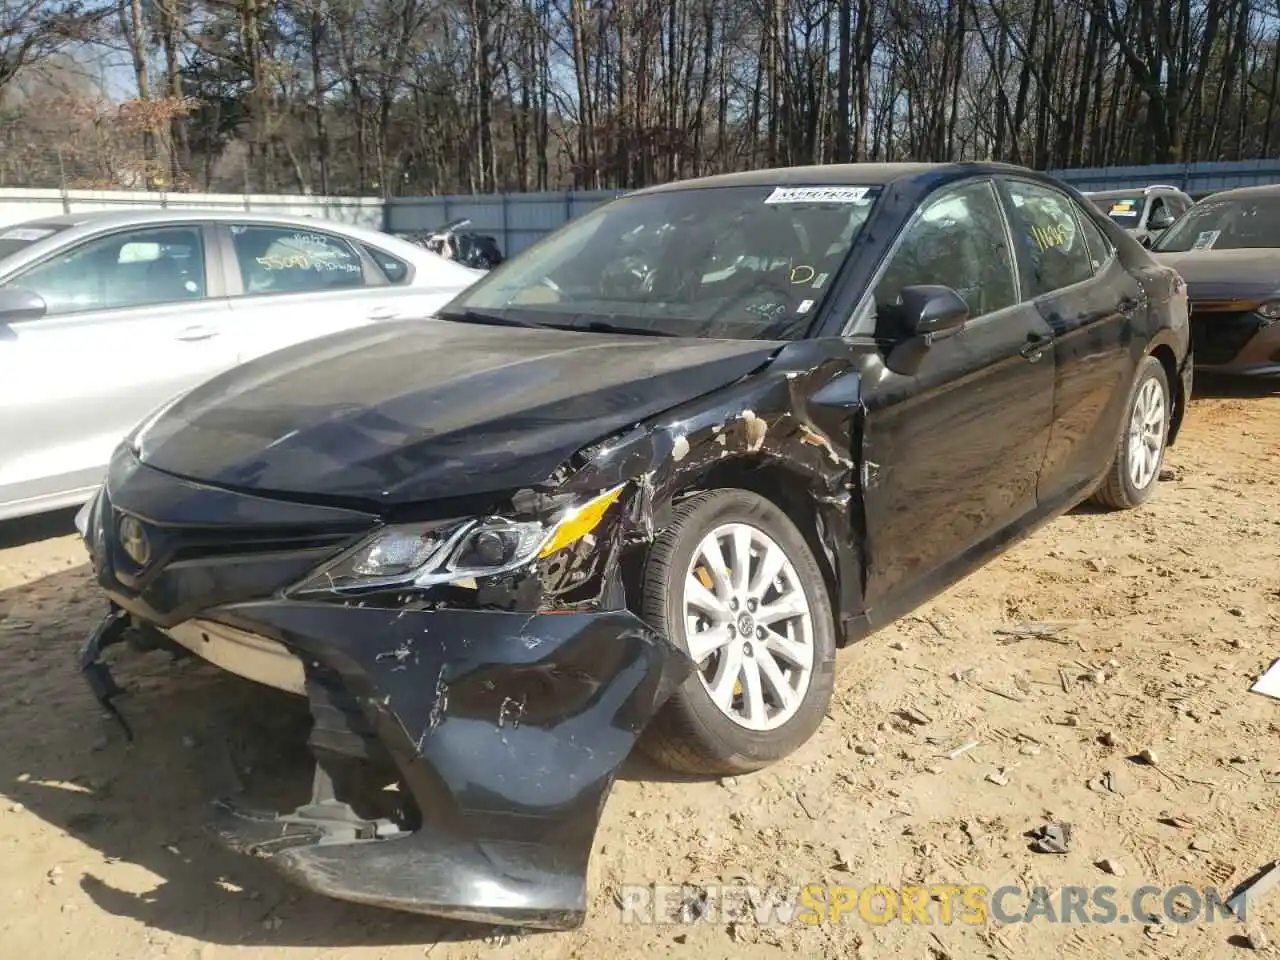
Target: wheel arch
822, 521
1164, 352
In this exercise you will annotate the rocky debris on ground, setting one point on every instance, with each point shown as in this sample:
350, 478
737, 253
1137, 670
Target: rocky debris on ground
1052, 838
1255, 937
1113, 782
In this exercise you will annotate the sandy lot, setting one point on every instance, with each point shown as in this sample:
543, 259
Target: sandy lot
1170, 613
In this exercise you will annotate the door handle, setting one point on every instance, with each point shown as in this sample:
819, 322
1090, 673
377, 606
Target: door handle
383, 313
1128, 305
1035, 347
191, 334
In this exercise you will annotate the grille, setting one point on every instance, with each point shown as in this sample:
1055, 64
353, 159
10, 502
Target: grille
1219, 337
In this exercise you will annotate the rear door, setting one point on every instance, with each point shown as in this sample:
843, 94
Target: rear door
952, 454
292, 284
132, 320
1090, 301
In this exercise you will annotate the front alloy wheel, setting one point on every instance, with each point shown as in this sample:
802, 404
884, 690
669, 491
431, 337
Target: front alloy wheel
748, 626
735, 583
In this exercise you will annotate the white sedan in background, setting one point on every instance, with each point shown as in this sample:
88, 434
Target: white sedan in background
105, 316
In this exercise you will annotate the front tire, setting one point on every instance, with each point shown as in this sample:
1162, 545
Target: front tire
733, 582
1140, 452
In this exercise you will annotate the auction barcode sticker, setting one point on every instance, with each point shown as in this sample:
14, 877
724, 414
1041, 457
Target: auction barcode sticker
817, 195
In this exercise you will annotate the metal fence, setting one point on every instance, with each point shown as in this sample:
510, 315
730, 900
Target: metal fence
1196, 179
517, 220
18, 204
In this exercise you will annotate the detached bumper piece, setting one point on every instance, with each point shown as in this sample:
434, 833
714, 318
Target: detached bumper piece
104, 687
328, 849
463, 756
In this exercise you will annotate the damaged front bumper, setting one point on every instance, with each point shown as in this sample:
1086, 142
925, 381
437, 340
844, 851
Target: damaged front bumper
463, 755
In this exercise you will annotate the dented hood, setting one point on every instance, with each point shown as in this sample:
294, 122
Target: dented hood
1247, 274
422, 410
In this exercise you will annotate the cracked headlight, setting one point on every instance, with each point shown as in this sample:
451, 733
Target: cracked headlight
422, 554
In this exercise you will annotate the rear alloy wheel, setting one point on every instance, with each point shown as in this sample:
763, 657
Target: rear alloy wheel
735, 584
1140, 452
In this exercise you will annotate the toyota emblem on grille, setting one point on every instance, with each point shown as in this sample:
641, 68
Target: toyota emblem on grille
134, 541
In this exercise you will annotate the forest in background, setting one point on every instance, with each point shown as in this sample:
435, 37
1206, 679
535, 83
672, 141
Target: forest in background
405, 97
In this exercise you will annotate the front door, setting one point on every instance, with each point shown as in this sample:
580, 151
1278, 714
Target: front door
953, 452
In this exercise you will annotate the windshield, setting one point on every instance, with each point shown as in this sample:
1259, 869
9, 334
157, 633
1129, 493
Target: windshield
722, 262
20, 236
1124, 208
1226, 224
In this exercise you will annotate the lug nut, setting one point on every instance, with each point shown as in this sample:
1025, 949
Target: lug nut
733, 604
751, 605
760, 633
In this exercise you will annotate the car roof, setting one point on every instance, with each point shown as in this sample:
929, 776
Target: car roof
1247, 193
1132, 191
840, 174
123, 218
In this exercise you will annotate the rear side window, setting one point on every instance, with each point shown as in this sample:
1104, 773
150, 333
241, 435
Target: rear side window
393, 268
290, 260
1052, 251
1099, 247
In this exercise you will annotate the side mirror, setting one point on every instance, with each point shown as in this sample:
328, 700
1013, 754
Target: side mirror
931, 309
17, 305
928, 313
1161, 220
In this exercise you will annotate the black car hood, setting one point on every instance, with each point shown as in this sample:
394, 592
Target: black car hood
421, 410
1227, 274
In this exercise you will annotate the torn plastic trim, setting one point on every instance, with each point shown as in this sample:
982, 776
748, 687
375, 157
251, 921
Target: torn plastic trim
800, 419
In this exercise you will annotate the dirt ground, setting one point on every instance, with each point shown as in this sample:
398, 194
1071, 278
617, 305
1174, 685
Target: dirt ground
1170, 611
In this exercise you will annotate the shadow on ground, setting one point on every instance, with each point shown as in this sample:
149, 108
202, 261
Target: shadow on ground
199, 734
25, 530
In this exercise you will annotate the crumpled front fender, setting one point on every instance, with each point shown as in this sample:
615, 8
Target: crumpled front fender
507, 730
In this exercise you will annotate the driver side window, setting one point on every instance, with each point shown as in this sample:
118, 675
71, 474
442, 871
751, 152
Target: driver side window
956, 239
132, 268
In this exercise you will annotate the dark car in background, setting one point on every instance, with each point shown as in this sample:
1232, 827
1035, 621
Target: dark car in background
638, 486
451, 241
1144, 213
1227, 248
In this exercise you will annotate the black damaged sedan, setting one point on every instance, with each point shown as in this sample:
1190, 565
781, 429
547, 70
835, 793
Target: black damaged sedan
638, 484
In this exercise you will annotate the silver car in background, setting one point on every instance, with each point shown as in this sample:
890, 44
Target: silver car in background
1146, 212
105, 316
